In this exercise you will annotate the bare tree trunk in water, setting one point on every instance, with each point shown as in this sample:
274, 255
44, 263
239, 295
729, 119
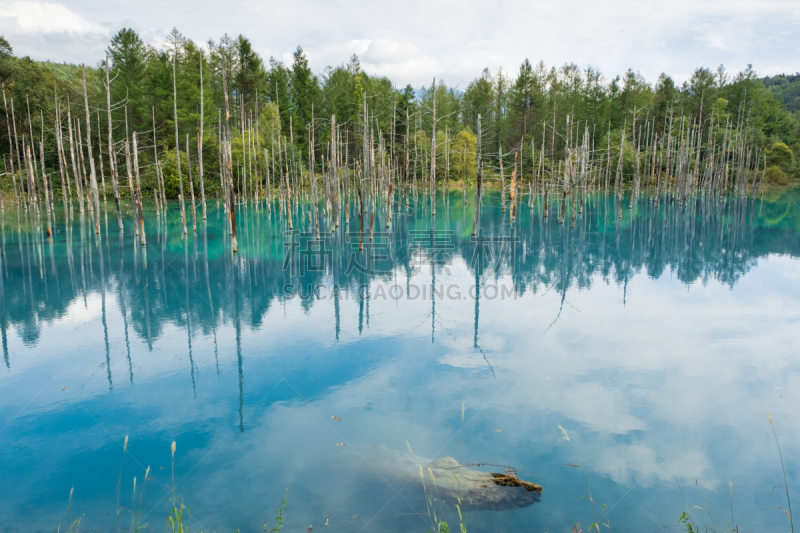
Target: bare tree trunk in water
227, 148
480, 179
93, 175
200, 144
138, 188
177, 140
111, 161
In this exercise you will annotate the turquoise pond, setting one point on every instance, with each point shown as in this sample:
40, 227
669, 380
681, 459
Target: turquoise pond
658, 340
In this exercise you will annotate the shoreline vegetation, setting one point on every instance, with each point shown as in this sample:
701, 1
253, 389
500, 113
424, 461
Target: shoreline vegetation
186, 121
179, 515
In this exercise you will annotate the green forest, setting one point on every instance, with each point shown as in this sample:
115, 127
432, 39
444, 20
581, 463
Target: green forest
530, 115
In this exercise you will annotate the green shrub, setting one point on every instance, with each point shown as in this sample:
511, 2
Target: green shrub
781, 156
776, 176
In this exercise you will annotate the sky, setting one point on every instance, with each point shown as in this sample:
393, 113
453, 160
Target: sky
416, 40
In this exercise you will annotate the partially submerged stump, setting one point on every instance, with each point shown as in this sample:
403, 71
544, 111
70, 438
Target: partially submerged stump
480, 490
477, 490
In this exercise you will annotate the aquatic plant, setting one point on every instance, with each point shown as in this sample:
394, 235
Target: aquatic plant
278, 515
177, 511
690, 524
783, 469
596, 523
72, 527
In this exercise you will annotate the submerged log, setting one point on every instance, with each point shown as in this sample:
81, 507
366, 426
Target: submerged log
477, 490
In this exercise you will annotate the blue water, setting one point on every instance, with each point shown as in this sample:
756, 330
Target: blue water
658, 341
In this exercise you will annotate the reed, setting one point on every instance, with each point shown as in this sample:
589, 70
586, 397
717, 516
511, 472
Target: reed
178, 513
119, 480
783, 469
687, 522
596, 523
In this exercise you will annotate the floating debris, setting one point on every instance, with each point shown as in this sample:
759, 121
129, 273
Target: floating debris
328, 524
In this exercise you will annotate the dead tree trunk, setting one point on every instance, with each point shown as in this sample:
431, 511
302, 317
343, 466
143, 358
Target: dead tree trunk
229, 167
177, 140
433, 154
111, 159
140, 208
191, 185
200, 145
479, 162
93, 175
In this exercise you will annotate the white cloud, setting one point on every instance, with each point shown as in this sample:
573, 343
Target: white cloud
628, 464
46, 17
53, 31
441, 40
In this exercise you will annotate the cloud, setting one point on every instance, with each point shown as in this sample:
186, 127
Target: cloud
627, 464
397, 59
429, 40
33, 18
52, 31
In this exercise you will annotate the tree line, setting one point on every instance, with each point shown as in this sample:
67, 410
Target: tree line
279, 110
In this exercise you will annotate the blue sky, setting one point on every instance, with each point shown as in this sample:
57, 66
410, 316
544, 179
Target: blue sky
413, 41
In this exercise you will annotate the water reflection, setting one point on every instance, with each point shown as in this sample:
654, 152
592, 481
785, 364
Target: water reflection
159, 321
198, 283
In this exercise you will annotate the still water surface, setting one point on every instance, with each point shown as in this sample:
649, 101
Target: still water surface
657, 340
